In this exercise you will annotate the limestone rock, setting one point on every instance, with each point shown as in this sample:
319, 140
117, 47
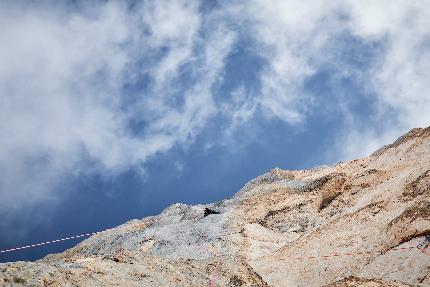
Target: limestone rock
357, 223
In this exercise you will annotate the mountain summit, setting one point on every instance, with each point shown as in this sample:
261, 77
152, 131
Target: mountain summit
364, 222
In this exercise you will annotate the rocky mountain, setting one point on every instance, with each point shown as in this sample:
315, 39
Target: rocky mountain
359, 223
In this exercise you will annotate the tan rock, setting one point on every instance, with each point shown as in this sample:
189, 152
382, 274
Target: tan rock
357, 223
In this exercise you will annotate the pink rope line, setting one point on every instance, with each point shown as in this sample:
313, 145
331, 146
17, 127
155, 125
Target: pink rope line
324, 257
78, 236
49, 242
66, 238
214, 273
359, 253
424, 251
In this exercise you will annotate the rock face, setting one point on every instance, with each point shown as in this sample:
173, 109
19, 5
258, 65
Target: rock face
357, 223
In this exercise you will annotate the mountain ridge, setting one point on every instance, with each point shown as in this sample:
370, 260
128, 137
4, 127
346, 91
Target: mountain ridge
356, 223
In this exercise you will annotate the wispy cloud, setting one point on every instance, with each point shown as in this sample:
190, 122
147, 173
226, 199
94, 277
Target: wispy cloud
299, 39
399, 79
103, 87
64, 109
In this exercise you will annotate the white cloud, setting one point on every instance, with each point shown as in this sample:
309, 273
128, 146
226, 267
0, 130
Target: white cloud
62, 73
54, 102
298, 38
240, 109
400, 80
61, 77
292, 35
172, 24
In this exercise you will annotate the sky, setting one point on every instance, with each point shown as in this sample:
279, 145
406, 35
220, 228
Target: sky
113, 110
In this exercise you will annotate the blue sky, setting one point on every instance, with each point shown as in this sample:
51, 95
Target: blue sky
112, 111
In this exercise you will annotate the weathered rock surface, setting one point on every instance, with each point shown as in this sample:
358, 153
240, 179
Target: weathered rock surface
353, 224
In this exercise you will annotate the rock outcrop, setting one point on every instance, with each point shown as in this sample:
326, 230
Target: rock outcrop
357, 223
